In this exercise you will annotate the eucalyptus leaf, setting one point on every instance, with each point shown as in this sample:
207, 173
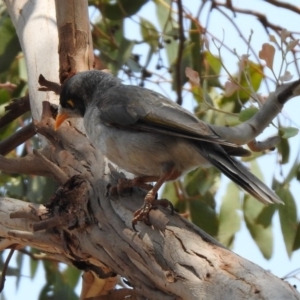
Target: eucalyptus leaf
247, 113
203, 215
288, 218
284, 149
164, 16
120, 9
262, 235
296, 245
260, 231
288, 132
229, 218
9, 46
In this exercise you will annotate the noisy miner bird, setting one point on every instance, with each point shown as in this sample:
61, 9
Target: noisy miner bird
150, 136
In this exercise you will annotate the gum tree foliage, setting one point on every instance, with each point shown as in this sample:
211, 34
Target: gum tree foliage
166, 54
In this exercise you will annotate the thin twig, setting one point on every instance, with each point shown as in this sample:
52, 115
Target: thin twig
2, 280
8, 86
239, 31
50, 85
180, 52
293, 8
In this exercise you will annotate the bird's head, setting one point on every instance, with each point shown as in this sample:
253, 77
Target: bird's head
79, 91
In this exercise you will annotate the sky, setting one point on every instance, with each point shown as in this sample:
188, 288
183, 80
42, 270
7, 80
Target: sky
280, 264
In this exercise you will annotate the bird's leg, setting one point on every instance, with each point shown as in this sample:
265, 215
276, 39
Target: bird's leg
142, 182
150, 200
125, 184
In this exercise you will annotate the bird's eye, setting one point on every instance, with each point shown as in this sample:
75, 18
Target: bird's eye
70, 104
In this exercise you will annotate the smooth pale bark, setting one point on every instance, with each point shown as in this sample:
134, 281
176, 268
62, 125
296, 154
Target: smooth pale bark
35, 23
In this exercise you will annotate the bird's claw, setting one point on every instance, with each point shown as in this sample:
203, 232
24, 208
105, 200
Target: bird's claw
142, 214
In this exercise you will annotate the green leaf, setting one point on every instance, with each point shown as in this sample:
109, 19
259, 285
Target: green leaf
288, 132
133, 64
247, 113
229, 219
203, 215
212, 69
19, 261
9, 46
40, 188
284, 150
150, 36
200, 181
57, 286
33, 268
262, 235
196, 54
124, 52
16, 188
296, 245
71, 275
149, 33
164, 16
170, 193
185, 62
266, 215
253, 210
255, 75
288, 218
119, 10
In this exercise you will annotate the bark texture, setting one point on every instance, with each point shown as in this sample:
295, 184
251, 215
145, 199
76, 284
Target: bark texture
35, 23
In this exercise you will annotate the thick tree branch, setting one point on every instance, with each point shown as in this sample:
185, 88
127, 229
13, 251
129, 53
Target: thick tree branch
26, 165
192, 261
249, 130
75, 39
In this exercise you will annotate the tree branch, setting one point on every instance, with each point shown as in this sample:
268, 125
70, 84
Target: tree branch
37, 32
16, 139
291, 7
75, 40
15, 109
249, 130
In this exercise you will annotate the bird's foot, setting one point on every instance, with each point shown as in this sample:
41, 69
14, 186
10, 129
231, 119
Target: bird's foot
150, 203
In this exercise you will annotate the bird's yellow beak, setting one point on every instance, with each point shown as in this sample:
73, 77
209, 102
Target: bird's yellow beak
61, 117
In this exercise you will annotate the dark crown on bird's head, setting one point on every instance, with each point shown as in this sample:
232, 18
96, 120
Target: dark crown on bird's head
78, 91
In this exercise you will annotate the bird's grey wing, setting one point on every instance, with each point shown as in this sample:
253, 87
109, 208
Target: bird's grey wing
145, 110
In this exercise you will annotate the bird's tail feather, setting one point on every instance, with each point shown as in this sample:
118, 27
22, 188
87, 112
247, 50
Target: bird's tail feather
237, 172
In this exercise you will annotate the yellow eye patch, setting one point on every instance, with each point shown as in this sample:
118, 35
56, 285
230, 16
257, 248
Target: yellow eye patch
71, 103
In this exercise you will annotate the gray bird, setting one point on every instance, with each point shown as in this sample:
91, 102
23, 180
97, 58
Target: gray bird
150, 136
